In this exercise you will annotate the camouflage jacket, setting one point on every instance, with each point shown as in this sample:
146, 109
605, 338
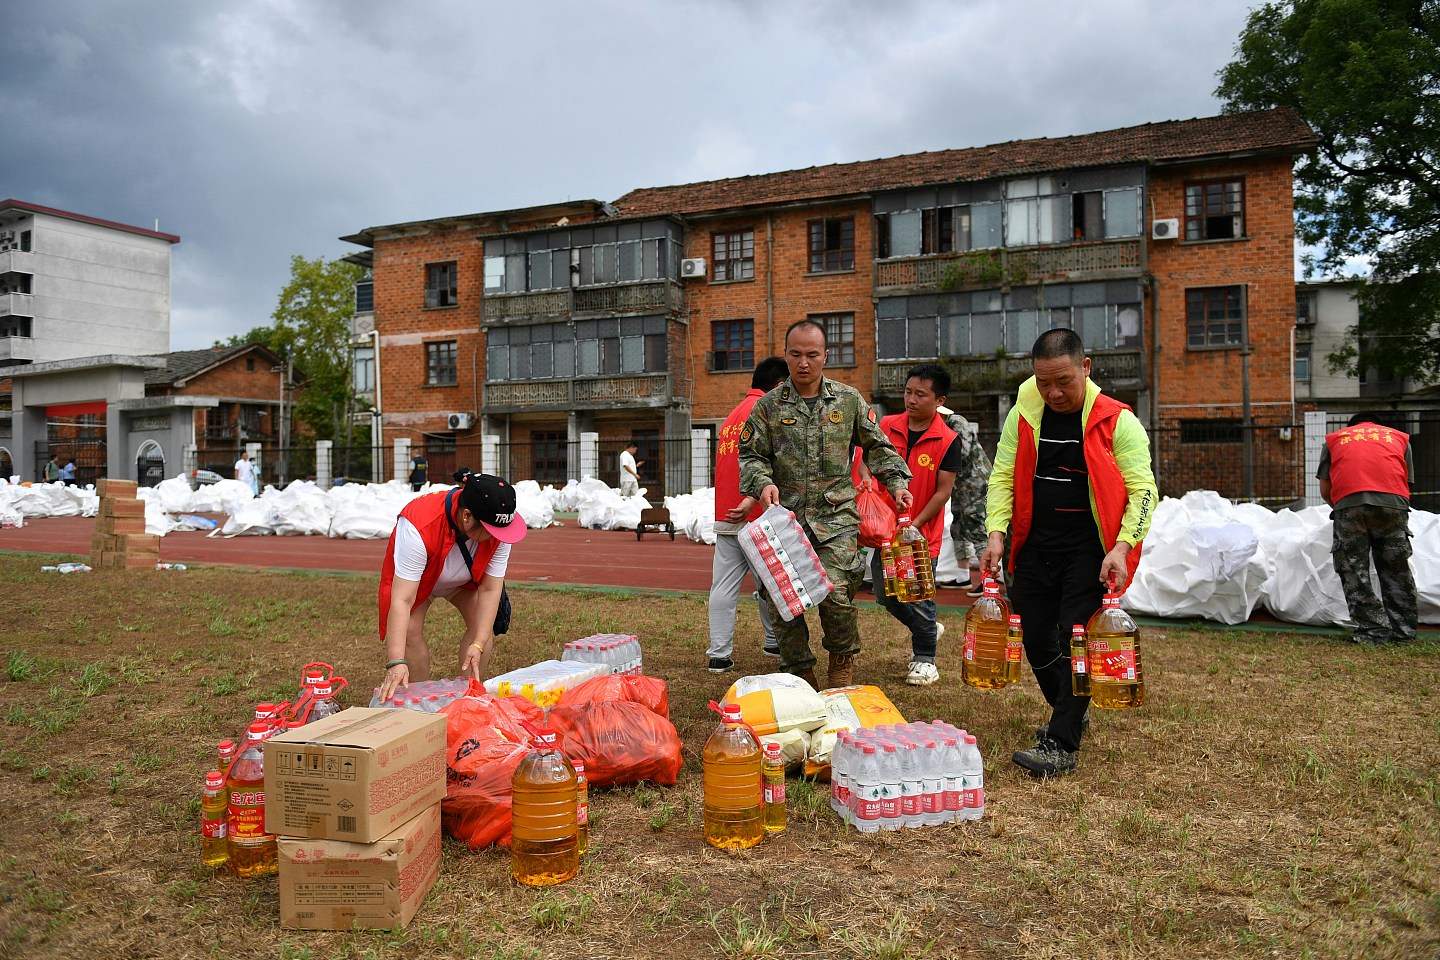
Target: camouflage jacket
971, 479
806, 453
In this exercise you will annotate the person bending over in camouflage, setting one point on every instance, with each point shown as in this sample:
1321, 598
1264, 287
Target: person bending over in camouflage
795, 451
967, 500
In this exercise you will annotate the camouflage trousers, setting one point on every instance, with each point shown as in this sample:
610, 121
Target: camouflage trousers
843, 564
967, 523
1364, 532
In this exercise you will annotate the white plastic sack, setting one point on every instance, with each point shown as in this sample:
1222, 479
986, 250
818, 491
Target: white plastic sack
694, 514
251, 518
157, 521
300, 509
173, 495
532, 505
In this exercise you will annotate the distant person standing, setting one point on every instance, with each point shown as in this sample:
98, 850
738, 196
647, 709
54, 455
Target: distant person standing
67, 472
732, 511
52, 471
967, 500
1365, 474
630, 470
245, 473
419, 472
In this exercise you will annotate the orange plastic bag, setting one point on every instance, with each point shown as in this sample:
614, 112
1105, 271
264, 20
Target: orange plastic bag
877, 519
649, 692
484, 743
619, 741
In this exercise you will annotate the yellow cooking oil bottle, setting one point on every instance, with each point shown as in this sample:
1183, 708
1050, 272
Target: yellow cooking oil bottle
731, 760
1079, 662
987, 629
1116, 681
545, 843
214, 811
252, 850
582, 807
1014, 648
773, 771
909, 573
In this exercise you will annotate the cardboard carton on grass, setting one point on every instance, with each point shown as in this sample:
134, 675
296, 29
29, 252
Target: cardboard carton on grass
355, 776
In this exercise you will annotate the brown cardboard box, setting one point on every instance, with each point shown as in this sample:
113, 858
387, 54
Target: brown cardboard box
335, 885
110, 487
114, 525
355, 776
111, 507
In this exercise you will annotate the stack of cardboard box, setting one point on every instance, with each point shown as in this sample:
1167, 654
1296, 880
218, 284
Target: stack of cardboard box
120, 539
355, 800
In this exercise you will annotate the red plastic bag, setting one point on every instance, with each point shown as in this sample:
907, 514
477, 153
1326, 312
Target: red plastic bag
877, 519
619, 741
484, 743
649, 692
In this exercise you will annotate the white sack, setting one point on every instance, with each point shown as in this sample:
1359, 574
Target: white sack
532, 505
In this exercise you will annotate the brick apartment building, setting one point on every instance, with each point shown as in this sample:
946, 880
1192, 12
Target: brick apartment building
1169, 247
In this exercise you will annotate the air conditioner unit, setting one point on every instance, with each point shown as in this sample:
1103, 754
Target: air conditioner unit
459, 421
693, 268
1165, 229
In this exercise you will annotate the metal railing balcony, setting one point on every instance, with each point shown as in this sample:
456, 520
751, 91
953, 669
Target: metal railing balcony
1002, 374
592, 393
1007, 266
650, 296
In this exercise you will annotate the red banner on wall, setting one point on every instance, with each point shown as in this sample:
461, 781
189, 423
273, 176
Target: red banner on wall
74, 409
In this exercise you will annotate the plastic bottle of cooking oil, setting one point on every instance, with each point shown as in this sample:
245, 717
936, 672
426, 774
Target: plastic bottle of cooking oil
1116, 681
252, 850
545, 848
987, 627
1079, 662
773, 771
214, 803
731, 760
1014, 647
582, 807
909, 574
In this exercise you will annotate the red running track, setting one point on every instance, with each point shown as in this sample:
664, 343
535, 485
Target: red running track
567, 554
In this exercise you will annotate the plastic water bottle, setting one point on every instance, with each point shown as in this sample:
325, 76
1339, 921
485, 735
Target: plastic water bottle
912, 786
731, 760
973, 771
214, 804
582, 807
840, 764
1079, 662
67, 568
773, 775
933, 770
252, 850
544, 846
1116, 680
954, 783
162, 565
889, 757
867, 792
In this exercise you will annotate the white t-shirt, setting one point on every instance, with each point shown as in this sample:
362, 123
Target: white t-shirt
627, 464
410, 557
244, 470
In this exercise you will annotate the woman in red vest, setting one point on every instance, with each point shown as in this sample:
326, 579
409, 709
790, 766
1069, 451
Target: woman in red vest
453, 544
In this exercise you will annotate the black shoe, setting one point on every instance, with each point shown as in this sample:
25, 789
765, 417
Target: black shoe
1046, 759
771, 651
721, 664
1042, 732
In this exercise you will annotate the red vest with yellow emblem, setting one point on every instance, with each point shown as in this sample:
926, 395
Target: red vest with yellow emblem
924, 463
1368, 458
428, 514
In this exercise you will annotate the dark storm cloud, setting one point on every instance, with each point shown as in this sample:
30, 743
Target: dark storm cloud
258, 129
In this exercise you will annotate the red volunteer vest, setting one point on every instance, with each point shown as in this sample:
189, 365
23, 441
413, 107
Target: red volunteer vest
924, 464
727, 459
1368, 458
1107, 484
427, 513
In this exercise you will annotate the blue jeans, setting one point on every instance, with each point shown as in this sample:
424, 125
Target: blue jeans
917, 617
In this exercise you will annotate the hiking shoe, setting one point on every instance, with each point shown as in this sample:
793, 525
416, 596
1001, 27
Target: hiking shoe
770, 651
842, 669
1046, 759
922, 674
1042, 732
721, 664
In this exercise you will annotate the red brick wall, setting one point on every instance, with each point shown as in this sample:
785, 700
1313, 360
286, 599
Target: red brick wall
1263, 261
797, 294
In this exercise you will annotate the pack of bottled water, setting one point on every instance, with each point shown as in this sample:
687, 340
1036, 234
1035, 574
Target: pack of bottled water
429, 696
542, 683
784, 562
619, 652
906, 776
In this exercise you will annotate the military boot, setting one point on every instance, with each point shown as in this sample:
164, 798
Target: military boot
842, 669
809, 677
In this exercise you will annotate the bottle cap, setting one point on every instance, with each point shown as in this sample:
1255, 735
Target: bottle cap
256, 732
772, 751
869, 749
969, 738
214, 780
732, 713
1014, 619
322, 687
226, 748
264, 711
889, 748
579, 766
904, 520
1078, 628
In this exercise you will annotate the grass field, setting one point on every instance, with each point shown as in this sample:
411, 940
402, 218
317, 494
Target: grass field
1278, 796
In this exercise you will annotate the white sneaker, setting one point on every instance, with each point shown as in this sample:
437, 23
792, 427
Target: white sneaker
922, 674
939, 630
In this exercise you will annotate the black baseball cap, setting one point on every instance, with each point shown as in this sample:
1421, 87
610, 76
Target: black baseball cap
492, 501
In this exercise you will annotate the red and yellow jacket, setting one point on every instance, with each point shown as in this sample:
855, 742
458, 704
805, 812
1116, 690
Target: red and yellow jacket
924, 463
1117, 456
428, 514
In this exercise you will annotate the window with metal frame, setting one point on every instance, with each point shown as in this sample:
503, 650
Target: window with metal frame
1215, 317
441, 363
1215, 210
732, 345
832, 245
441, 284
733, 255
839, 337
1212, 430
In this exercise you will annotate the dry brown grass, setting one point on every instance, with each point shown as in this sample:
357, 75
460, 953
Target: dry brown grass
1278, 796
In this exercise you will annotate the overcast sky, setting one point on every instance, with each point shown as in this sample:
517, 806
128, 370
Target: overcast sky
259, 129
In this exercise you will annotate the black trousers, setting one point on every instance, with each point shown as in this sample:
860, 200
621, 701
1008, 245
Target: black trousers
1053, 591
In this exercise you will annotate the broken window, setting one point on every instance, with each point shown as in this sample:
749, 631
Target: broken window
1215, 210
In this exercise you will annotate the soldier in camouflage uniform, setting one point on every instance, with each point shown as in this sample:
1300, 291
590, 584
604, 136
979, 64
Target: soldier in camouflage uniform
795, 450
967, 500
1365, 473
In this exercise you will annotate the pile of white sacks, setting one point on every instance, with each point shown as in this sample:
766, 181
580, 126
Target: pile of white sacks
1205, 557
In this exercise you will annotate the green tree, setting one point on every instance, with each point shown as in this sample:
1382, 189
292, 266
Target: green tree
1365, 74
311, 329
